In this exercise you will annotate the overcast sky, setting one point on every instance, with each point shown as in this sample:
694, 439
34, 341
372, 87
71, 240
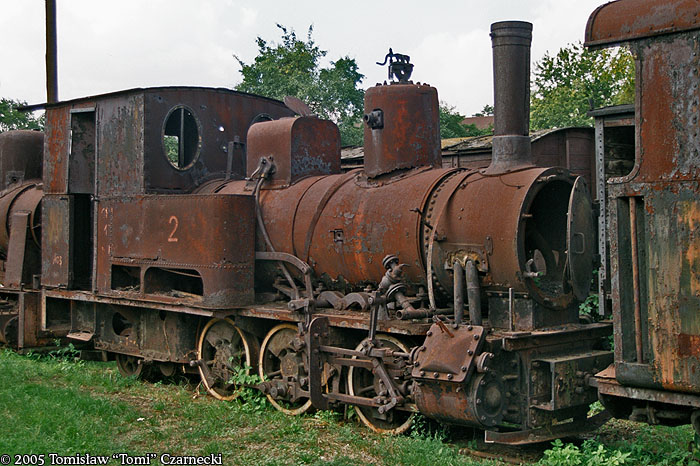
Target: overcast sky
105, 46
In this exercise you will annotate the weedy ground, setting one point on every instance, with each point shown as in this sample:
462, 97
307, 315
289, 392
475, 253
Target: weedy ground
56, 404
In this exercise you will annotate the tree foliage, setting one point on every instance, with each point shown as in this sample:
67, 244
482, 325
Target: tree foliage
451, 125
566, 84
292, 67
11, 118
486, 111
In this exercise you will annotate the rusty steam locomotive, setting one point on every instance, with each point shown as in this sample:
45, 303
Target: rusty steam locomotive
211, 231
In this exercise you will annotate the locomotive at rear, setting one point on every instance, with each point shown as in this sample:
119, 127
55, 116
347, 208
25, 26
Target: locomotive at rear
648, 221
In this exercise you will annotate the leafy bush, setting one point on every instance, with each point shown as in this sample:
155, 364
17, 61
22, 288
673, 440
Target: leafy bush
591, 453
251, 399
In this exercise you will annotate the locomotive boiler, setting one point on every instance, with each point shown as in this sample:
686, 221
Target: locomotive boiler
211, 231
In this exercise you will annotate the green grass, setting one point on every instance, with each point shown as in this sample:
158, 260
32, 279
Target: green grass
58, 405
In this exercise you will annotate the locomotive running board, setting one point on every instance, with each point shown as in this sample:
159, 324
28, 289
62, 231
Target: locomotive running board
544, 434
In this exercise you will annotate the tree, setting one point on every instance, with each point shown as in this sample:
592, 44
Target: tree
11, 118
451, 125
565, 85
486, 111
292, 68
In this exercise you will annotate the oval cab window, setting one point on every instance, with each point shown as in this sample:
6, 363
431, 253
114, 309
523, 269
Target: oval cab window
181, 138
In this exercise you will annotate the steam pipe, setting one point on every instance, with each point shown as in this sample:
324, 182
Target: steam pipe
473, 293
458, 292
511, 91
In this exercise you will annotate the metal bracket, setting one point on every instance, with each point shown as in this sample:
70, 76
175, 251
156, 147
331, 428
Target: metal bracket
315, 337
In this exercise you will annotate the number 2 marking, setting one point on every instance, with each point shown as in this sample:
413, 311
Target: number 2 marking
172, 238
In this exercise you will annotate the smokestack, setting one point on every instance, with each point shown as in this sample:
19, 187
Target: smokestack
511, 88
51, 53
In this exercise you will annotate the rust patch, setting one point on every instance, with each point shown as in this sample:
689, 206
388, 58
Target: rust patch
690, 217
688, 345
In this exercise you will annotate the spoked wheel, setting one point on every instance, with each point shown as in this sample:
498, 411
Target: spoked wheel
362, 382
130, 366
9, 332
225, 350
281, 362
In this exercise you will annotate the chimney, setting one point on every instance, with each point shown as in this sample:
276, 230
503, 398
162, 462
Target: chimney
51, 53
511, 88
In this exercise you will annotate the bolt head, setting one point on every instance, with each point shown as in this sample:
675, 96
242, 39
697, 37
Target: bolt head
429, 333
449, 376
422, 373
464, 368
436, 375
476, 337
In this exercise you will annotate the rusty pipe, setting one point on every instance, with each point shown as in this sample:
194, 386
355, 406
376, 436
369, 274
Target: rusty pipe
421, 313
635, 281
473, 293
266, 237
51, 53
511, 92
458, 272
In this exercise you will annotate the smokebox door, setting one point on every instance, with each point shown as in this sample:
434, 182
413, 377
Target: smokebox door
580, 239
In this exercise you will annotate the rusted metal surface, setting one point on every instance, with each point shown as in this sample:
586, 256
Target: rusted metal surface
655, 206
653, 219
132, 123
223, 118
25, 197
448, 355
634, 246
29, 321
359, 223
18, 270
51, 53
300, 147
121, 143
511, 80
21, 154
545, 434
137, 264
607, 385
408, 135
152, 243
81, 166
571, 148
55, 240
628, 20
403, 212
9, 323
580, 239
343, 319
562, 381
